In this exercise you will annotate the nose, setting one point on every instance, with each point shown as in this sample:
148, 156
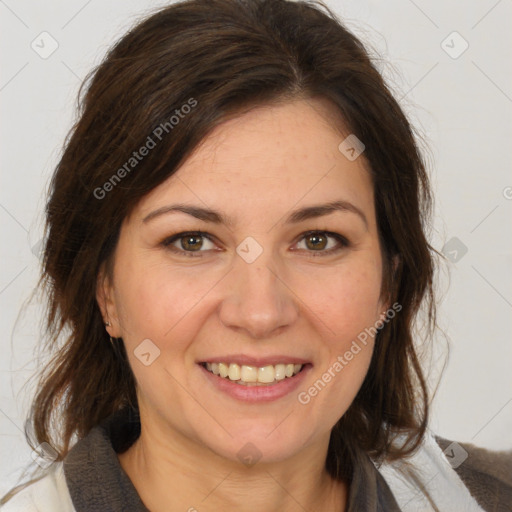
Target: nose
257, 300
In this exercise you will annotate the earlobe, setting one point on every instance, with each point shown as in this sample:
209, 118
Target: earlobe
106, 302
394, 264
386, 303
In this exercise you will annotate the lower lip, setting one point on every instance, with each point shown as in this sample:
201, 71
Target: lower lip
257, 393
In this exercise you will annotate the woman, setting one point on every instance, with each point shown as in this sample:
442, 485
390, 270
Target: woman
236, 255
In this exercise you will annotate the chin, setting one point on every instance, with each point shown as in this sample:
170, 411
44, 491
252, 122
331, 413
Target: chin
263, 443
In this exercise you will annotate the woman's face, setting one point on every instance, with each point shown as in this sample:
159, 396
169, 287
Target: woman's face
257, 291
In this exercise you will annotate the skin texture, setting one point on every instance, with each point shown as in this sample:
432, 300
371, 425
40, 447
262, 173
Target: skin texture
291, 300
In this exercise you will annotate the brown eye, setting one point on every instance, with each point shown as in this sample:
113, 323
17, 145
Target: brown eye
187, 243
191, 242
318, 242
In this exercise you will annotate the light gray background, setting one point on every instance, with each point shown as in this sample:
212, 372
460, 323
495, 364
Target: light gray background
462, 106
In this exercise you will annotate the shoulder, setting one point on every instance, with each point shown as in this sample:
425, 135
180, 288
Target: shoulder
47, 494
486, 473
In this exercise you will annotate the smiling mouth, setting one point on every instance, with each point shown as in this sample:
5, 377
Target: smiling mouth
253, 375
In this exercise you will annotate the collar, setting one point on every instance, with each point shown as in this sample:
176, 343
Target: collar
96, 480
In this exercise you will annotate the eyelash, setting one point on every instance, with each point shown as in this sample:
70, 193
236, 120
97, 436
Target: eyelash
344, 243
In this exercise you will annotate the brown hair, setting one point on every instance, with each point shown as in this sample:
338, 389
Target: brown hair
226, 56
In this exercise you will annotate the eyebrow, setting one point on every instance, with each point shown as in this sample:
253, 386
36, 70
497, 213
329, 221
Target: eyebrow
213, 216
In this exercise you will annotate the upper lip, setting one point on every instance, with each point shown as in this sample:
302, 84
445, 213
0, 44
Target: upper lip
242, 359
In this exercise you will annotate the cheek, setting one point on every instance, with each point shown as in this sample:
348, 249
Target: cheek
160, 302
349, 306
156, 303
138, 301
347, 299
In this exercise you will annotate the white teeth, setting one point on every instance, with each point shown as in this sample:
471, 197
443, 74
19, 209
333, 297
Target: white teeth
249, 373
252, 374
280, 371
234, 372
223, 369
266, 374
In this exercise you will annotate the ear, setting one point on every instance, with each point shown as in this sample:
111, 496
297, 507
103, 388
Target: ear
394, 265
386, 301
106, 302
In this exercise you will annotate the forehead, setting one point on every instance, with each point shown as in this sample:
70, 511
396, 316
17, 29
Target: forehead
267, 160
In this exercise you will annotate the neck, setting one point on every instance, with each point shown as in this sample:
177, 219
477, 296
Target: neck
177, 473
